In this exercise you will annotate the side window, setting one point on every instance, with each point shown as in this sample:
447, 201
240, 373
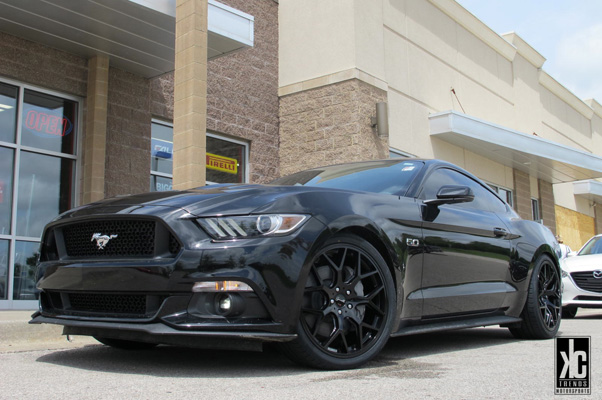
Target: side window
483, 198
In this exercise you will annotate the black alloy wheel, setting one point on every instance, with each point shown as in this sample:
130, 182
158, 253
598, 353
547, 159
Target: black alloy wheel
542, 313
347, 307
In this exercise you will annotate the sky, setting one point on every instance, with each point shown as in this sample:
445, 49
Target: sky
568, 33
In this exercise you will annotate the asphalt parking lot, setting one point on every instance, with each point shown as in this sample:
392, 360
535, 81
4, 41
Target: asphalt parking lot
482, 363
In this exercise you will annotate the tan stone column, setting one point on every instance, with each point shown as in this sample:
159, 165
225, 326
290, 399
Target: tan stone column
190, 94
96, 130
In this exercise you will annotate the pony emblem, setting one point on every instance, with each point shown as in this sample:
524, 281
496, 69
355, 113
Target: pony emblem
102, 240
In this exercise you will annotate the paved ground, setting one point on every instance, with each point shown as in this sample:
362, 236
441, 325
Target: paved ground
483, 363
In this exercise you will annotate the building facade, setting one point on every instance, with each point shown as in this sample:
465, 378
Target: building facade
78, 124
87, 107
455, 90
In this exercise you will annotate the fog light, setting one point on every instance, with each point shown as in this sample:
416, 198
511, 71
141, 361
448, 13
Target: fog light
228, 305
221, 286
224, 304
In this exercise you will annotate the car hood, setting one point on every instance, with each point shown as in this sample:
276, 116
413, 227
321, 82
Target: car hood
590, 262
208, 201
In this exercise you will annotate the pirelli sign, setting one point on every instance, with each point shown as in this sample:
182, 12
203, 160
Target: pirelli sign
221, 163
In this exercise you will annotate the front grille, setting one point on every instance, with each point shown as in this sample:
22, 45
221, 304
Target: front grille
118, 238
586, 281
110, 238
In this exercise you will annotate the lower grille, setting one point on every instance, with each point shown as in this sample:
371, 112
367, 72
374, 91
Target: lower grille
110, 305
586, 281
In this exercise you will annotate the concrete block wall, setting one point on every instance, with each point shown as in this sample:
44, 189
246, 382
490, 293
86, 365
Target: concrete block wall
329, 125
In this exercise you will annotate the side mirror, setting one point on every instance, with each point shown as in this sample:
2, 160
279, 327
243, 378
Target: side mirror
451, 194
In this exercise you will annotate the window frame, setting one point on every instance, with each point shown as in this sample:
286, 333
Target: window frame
246, 145
18, 148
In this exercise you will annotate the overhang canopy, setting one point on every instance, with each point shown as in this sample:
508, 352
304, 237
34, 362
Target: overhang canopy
137, 35
538, 157
589, 189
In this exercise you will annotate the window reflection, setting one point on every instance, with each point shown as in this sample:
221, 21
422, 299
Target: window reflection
48, 122
8, 112
6, 189
3, 269
160, 184
26, 257
226, 161
45, 184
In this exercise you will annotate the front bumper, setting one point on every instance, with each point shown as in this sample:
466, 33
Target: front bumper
574, 296
151, 300
161, 333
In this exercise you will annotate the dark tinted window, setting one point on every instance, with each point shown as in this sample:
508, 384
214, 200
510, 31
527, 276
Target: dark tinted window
377, 176
594, 246
483, 198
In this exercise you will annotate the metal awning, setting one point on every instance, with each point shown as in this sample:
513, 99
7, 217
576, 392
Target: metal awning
137, 35
590, 189
538, 157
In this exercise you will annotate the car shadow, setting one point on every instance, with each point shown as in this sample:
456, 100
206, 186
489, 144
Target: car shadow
178, 362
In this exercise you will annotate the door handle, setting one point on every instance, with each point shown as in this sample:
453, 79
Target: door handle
500, 232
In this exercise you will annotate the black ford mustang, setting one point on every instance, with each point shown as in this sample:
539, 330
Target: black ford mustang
329, 262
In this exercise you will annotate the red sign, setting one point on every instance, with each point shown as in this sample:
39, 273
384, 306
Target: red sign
47, 123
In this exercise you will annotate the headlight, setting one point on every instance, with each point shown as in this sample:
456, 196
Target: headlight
251, 226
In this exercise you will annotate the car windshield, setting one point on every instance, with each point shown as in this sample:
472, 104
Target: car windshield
594, 246
384, 176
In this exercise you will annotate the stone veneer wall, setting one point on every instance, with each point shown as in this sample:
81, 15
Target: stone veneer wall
522, 195
546, 200
42, 66
329, 125
127, 168
242, 92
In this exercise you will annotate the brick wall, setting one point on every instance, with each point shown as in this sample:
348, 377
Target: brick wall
242, 92
522, 194
328, 125
128, 134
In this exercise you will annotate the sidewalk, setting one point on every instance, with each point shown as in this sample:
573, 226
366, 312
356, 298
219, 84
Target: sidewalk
16, 334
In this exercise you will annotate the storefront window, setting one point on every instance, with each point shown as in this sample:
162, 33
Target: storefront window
226, 158
26, 258
48, 122
38, 157
3, 269
45, 191
8, 112
6, 189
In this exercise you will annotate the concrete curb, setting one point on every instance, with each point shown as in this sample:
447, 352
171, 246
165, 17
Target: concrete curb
17, 334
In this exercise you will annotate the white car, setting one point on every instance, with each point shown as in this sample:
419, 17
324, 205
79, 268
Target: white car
582, 278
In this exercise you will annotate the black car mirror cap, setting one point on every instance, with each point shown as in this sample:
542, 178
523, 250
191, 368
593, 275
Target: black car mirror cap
452, 194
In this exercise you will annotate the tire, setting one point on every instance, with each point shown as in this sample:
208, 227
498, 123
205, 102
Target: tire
125, 344
347, 309
542, 312
569, 312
